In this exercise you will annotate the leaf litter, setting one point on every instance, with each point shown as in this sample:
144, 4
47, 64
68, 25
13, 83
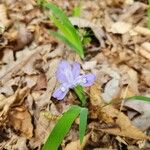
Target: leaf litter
29, 57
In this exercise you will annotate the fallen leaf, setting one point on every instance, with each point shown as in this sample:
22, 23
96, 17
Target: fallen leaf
20, 120
89, 65
7, 103
120, 27
141, 121
24, 37
123, 125
42, 130
95, 95
41, 82
4, 22
111, 90
75, 145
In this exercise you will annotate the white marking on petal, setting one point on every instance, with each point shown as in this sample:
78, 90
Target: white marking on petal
63, 89
84, 80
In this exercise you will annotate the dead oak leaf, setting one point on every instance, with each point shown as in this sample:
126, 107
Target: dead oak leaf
124, 125
7, 103
20, 120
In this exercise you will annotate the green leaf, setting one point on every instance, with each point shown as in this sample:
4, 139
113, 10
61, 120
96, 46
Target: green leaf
81, 94
65, 30
61, 128
63, 23
83, 123
77, 11
142, 98
61, 37
58, 12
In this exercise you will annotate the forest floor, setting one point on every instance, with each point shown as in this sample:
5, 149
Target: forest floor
117, 51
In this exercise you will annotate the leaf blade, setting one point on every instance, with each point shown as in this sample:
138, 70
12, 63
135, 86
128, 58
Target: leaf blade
64, 24
83, 123
142, 98
64, 123
81, 94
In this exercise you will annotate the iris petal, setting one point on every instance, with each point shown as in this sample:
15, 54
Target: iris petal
60, 93
86, 80
76, 70
64, 72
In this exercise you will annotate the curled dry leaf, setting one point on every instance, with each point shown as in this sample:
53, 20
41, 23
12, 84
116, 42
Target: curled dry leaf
112, 87
24, 37
75, 145
7, 103
123, 125
111, 90
142, 121
20, 120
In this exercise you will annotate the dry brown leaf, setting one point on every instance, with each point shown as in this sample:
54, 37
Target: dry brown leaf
130, 10
20, 120
24, 37
146, 46
133, 80
4, 22
123, 125
41, 82
142, 30
7, 103
14, 143
142, 121
145, 53
95, 95
51, 84
111, 90
43, 128
75, 145
22, 62
120, 27
89, 65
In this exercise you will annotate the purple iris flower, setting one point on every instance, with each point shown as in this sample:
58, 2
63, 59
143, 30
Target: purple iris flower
69, 77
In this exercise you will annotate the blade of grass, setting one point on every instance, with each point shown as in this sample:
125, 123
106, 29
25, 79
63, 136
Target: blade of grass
63, 29
62, 22
57, 12
61, 128
83, 123
61, 37
142, 98
81, 94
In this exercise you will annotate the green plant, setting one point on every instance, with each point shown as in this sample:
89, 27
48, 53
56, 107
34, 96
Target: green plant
68, 33
77, 11
141, 98
63, 126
